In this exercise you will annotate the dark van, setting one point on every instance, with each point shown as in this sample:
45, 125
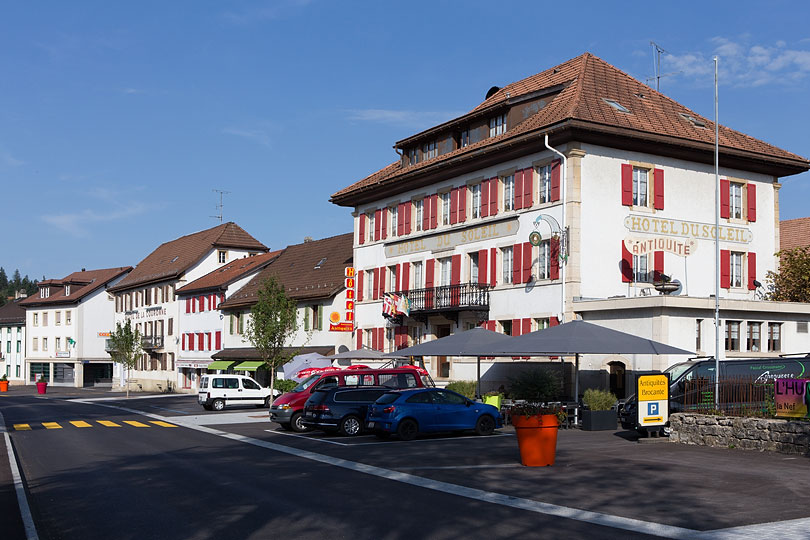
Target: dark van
760, 370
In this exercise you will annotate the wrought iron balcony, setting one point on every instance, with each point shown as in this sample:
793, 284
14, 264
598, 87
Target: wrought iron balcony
465, 296
152, 342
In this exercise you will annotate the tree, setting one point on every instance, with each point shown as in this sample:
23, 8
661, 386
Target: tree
792, 282
125, 347
273, 320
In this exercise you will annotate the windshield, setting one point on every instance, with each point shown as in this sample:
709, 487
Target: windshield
306, 383
677, 371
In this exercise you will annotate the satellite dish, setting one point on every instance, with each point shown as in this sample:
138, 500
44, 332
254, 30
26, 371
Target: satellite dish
342, 349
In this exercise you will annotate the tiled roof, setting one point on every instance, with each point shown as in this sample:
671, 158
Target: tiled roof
12, 313
230, 272
171, 259
310, 270
251, 353
582, 85
794, 233
81, 284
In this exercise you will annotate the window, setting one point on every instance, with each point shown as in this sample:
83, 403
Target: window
445, 266
543, 268
429, 150
392, 278
36, 319
497, 125
44, 344
19, 346
544, 183
476, 201
222, 254
67, 317
58, 318
774, 337
67, 290
417, 275
371, 227
735, 200
616, 105
370, 284
506, 327
45, 319
640, 186
44, 292
464, 139
542, 324
753, 340
445, 208
506, 254
413, 156
394, 210
35, 344
58, 344
418, 206
474, 267
736, 269
8, 346
508, 193
640, 273
699, 334
732, 335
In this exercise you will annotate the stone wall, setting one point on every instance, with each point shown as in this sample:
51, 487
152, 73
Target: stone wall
787, 437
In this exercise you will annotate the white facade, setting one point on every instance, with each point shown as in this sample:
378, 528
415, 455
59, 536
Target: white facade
12, 348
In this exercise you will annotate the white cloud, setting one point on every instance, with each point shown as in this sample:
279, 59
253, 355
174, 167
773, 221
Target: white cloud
407, 119
79, 223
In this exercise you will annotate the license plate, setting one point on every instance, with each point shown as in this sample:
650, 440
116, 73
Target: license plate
371, 425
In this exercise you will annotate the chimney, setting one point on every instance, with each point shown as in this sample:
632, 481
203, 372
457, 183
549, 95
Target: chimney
307, 239
20, 294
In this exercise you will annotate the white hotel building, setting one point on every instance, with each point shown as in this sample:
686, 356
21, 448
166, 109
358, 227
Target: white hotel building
620, 195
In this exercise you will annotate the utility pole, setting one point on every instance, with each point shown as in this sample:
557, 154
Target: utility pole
220, 205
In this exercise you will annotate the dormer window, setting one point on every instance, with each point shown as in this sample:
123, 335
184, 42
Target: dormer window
67, 290
222, 255
464, 139
497, 125
430, 150
44, 292
413, 156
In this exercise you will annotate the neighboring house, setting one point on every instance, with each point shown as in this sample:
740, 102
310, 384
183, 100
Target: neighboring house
200, 324
313, 274
573, 193
794, 233
67, 323
12, 341
148, 297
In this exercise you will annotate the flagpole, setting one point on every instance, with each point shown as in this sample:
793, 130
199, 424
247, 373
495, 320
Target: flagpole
716, 244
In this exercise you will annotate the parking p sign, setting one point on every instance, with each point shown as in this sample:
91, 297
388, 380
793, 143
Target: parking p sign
653, 399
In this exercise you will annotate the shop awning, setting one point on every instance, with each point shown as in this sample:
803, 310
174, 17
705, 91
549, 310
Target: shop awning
250, 365
220, 364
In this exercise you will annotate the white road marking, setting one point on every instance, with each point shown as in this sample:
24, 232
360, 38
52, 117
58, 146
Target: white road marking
22, 500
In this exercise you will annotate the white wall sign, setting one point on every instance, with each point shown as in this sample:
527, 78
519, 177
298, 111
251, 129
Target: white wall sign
642, 246
449, 240
687, 229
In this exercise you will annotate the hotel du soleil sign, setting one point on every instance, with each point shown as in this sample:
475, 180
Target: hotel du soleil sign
677, 236
449, 240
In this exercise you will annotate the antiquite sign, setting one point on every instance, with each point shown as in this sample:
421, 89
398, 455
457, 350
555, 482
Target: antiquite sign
652, 391
792, 397
686, 229
449, 240
642, 246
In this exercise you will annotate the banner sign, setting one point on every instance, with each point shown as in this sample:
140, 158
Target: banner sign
341, 327
652, 391
792, 397
347, 324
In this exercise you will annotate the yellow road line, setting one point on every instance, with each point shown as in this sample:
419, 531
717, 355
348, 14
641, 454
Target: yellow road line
22, 427
107, 423
80, 423
135, 423
51, 425
162, 423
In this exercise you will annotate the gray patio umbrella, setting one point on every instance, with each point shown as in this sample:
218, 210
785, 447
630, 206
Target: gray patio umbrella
303, 361
467, 343
364, 354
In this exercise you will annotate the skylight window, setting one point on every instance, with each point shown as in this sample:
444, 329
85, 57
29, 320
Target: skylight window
175, 259
320, 263
695, 122
616, 105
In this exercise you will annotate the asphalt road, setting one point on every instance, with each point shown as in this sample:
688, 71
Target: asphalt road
246, 479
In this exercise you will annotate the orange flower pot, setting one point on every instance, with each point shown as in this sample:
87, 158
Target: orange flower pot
3, 386
537, 439
42, 387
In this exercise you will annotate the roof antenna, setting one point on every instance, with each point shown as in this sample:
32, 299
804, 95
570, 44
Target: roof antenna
219, 206
657, 50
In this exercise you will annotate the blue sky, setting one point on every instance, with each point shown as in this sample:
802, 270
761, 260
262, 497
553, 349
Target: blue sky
119, 119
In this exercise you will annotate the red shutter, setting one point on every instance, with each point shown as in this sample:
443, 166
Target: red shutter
188, 305
374, 338
658, 188
658, 265
517, 268
208, 340
462, 204
482, 267
725, 209
528, 187
725, 268
555, 180
406, 276
193, 304
184, 343
381, 338
553, 321
429, 273
492, 325
362, 230
218, 340
384, 224
202, 303
516, 328
518, 189
627, 264
485, 198
454, 206
752, 270
425, 213
376, 289
382, 282
360, 286
221, 298
191, 341
434, 213
554, 256
201, 341
752, 201
493, 196
400, 219
455, 270
493, 267
627, 184
359, 339
398, 276
377, 223
528, 252
407, 209
527, 326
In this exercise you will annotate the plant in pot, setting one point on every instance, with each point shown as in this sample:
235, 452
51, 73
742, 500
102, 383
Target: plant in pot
42, 385
598, 414
536, 421
3, 384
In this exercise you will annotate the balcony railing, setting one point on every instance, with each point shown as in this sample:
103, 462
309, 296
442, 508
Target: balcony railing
460, 297
147, 343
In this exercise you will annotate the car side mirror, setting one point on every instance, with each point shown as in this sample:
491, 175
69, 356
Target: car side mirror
469, 403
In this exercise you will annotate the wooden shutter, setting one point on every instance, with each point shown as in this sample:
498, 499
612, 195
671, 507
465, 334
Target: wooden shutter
658, 265
528, 187
554, 256
528, 252
426, 213
407, 210
518, 176
400, 219
482, 267
359, 339
725, 268
555, 180
218, 340
377, 224
398, 277
725, 206
384, 224
517, 267
493, 267
184, 343
454, 206
485, 198
306, 319
319, 322
381, 338
455, 270
752, 270
188, 305
376, 285
406, 276
374, 338
434, 213
493, 196
208, 341
429, 267
658, 188
752, 201
527, 326
627, 184
381, 282
360, 286
627, 264
516, 328
462, 204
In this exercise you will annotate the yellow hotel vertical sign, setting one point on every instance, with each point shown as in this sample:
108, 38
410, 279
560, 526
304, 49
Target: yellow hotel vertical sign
653, 399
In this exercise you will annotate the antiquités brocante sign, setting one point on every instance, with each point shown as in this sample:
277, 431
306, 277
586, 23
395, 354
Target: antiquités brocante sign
440, 242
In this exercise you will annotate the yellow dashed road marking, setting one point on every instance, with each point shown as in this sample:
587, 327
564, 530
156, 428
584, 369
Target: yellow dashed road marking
107, 423
80, 423
135, 423
22, 427
162, 423
51, 425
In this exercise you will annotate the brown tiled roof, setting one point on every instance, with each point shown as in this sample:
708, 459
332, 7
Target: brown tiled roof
81, 284
228, 273
794, 233
577, 92
296, 269
12, 313
171, 259
251, 353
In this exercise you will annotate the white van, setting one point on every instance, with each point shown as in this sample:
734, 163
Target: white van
218, 391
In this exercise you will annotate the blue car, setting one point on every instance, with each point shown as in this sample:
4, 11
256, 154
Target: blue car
426, 410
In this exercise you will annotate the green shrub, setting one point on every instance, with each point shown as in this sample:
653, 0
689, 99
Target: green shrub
284, 385
535, 385
465, 388
598, 400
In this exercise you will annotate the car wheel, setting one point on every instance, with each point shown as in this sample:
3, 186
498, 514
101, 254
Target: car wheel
218, 404
297, 423
407, 429
383, 435
350, 426
485, 425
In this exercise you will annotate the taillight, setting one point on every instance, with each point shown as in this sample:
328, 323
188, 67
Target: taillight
388, 410
322, 408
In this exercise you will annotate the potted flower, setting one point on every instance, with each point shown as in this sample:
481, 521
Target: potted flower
599, 413
3, 384
536, 422
42, 385
494, 398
